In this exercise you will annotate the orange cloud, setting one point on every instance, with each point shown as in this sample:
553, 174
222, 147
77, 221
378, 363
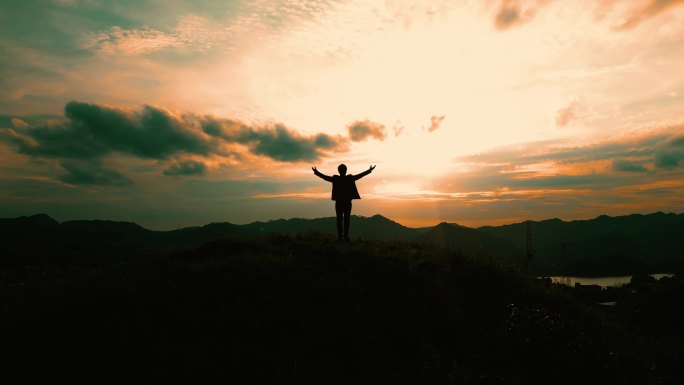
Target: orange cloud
435, 122
512, 12
18, 123
653, 8
361, 130
566, 115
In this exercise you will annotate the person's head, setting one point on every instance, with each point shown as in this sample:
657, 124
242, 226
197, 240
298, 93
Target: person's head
342, 169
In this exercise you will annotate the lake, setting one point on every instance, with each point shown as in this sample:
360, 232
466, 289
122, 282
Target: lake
600, 281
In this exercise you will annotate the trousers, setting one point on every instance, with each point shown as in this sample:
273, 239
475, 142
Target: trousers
343, 211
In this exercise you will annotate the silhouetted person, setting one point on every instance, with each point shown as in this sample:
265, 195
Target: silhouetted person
343, 191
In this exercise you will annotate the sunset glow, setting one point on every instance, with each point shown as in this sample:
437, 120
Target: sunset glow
476, 112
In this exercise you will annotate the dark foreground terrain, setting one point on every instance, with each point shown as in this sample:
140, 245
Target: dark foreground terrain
290, 309
603, 246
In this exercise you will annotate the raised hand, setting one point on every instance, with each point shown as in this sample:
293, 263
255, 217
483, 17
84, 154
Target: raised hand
372, 168
314, 168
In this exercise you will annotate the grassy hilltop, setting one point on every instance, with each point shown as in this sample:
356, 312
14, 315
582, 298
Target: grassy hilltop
289, 309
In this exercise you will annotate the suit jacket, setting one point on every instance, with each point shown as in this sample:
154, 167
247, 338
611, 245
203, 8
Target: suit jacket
344, 187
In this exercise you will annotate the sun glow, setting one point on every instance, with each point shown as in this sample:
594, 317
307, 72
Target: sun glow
478, 111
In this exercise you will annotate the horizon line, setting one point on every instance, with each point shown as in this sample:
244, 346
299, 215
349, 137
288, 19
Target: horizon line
354, 215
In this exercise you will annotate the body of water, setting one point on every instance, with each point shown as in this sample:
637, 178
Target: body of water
601, 281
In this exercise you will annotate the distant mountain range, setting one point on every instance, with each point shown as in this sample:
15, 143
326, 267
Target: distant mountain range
601, 246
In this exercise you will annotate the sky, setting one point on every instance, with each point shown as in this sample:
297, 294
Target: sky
171, 113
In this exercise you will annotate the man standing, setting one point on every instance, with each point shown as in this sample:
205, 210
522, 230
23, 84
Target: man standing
343, 191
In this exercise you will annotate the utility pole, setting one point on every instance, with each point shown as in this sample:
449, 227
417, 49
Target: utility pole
530, 252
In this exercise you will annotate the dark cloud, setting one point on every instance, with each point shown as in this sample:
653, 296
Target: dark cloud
628, 166
566, 115
361, 130
671, 156
214, 127
89, 135
91, 131
669, 160
288, 146
653, 8
149, 133
91, 173
5, 121
435, 122
277, 142
186, 167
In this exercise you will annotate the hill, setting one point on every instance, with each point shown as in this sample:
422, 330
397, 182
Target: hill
650, 242
305, 309
27, 239
624, 245
470, 241
375, 227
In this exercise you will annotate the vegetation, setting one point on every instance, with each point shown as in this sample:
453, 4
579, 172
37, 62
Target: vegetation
603, 246
284, 309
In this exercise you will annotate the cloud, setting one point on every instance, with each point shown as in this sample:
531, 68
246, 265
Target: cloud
643, 146
360, 130
508, 14
286, 145
671, 155
398, 128
131, 41
628, 166
91, 131
149, 133
669, 159
566, 115
435, 122
276, 142
186, 167
511, 13
88, 134
678, 142
653, 8
201, 33
88, 173
18, 123
552, 189
24, 121
633, 160
192, 32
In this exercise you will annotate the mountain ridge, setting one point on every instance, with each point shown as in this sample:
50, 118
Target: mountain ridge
640, 241
47, 217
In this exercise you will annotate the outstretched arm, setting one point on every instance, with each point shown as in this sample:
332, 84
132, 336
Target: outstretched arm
370, 169
321, 175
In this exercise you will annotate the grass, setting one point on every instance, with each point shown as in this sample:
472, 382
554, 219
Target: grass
283, 309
